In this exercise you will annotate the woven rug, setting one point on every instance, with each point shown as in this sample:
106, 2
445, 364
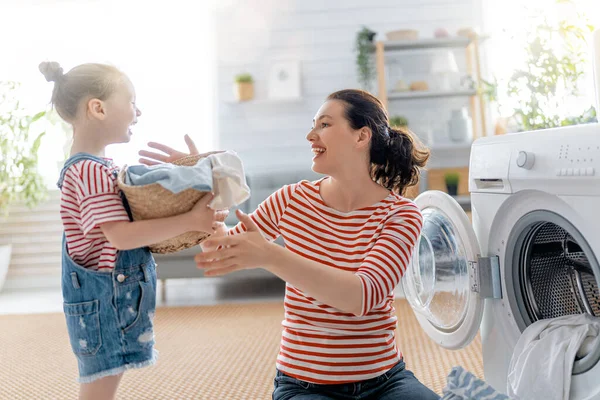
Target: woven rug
213, 352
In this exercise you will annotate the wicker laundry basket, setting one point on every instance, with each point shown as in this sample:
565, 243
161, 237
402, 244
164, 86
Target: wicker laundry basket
153, 201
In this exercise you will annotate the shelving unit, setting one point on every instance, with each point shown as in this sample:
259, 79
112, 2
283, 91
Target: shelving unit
424, 94
443, 154
471, 46
267, 101
430, 43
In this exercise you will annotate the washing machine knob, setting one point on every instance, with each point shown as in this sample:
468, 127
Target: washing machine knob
525, 159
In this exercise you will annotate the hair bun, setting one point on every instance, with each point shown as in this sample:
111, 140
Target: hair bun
51, 70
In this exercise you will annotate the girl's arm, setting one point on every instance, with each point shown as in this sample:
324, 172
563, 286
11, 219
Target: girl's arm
91, 195
125, 235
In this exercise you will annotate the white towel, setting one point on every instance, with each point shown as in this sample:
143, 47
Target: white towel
542, 361
229, 181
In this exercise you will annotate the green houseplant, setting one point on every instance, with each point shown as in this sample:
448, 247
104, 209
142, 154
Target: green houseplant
398, 121
556, 53
244, 87
20, 180
452, 179
364, 59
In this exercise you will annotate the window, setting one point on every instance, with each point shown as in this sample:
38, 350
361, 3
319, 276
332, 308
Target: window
165, 47
507, 23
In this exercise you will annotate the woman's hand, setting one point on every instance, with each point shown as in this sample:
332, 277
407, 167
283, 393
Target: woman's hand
153, 158
233, 253
333, 286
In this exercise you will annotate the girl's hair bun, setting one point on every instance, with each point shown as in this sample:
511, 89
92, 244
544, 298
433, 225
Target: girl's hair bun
51, 70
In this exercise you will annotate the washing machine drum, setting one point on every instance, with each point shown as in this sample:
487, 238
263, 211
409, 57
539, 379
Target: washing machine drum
555, 275
552, 272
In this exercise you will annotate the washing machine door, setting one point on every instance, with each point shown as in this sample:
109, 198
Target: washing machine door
437, 283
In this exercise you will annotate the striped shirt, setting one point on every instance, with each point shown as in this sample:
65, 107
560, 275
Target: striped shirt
321, 344
90, 197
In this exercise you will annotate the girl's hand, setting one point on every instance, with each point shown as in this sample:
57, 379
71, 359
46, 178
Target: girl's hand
232, 253
153, 158
205, 219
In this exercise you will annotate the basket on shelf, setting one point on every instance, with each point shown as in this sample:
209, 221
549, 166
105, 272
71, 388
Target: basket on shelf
154, 201
403, 34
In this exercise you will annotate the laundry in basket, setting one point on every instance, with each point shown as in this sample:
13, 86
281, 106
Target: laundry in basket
166, 190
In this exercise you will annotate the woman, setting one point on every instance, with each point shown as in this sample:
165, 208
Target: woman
348, 239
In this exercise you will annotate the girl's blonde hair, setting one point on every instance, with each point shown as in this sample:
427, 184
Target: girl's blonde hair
84, 82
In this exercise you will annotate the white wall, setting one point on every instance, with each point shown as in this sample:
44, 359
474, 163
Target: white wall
165, 47
251, 34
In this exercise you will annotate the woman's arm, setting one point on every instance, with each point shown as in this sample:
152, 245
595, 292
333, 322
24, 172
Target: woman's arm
337, 288
334, 287
353, 292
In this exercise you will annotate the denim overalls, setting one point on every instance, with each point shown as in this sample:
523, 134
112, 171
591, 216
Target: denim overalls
109, 314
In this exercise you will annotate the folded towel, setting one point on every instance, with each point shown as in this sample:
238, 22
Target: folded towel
463, 385
220, 173
542, 361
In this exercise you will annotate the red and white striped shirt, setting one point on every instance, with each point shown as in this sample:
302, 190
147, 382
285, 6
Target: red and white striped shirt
321, 344
90, 198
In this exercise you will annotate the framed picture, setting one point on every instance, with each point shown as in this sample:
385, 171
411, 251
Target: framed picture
284, 80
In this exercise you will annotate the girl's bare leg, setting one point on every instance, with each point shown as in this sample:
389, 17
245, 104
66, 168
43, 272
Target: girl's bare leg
101, 389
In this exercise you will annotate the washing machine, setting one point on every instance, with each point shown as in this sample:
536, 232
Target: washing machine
530, 252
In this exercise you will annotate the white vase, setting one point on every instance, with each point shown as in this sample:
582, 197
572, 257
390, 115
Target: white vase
5, 252
460, 127
445, 71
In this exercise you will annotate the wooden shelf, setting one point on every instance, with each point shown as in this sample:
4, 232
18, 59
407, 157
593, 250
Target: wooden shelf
429, 94
429, 43
266, 101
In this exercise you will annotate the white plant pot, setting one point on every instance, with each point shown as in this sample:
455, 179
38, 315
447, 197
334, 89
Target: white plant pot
5, 252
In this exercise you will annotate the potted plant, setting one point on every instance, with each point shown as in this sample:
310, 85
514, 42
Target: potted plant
20, 180
364, 60
398, 121
244, 87
452, 179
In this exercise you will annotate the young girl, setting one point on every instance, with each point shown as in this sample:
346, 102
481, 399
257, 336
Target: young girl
348, 238
108, 273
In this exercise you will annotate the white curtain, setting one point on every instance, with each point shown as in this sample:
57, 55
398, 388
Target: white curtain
165, 47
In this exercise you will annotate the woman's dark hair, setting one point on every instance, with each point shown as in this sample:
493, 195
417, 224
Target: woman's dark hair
396, 153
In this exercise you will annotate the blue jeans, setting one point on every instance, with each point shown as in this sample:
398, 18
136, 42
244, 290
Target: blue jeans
397, 383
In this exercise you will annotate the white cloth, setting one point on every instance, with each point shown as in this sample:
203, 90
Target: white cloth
542, 361
229, 181
222, 173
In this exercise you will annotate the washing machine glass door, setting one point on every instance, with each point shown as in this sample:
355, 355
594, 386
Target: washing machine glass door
437, 283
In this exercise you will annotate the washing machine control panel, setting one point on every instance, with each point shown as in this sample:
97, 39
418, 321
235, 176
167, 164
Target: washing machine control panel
562, 160
577, 159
